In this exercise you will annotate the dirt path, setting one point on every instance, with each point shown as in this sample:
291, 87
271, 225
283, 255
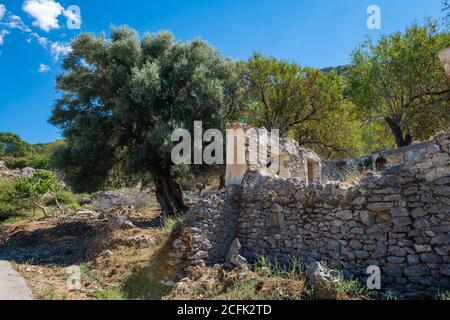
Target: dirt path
12, 285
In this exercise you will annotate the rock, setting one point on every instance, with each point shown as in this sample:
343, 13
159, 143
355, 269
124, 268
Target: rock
367, 217
418, 212
416, 271
234, 259
379, 206
402, 222
430, 258
392, 271
397, 212
344, 215
397, 251
118, 222
3, 165
444, 239
422, 248
359, 201
322, 281
442, 191
445, 270
27, 172
276, 208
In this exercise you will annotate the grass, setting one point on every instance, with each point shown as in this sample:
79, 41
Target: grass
25, 216
112, 293
445, 295
267, 281
142, 281
351, 287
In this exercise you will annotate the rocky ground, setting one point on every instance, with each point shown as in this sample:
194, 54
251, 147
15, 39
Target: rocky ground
105, 250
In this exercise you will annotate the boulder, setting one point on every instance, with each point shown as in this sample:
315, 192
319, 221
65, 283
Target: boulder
119, 222
322, 281
234, 259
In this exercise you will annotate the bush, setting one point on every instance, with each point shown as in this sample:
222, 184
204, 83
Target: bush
64, 197
38, 162
10, 203
16, 163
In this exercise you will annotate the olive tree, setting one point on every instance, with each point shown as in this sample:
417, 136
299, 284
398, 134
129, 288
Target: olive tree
400, 81
123, 97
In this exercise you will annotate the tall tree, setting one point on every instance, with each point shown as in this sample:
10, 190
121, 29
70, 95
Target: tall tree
304, 103
122, 98
400, 81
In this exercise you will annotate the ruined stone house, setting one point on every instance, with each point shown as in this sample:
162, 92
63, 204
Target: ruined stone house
281, 157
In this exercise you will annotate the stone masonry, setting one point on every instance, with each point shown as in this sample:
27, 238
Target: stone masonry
397, 219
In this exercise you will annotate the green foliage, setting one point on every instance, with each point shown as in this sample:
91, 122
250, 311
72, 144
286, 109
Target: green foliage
123, 98
304, 103
10, 203
443, 295
37, 185
400, 82
11, 145
65, 198
351, 287
18, 154
110, 294
16, 163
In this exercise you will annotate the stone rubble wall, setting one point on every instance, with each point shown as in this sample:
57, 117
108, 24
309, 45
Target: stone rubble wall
397, 219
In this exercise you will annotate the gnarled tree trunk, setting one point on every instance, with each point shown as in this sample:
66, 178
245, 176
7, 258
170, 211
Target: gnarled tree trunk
400, 139
169, 195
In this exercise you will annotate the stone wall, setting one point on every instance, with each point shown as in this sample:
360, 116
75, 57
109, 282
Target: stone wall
397, 219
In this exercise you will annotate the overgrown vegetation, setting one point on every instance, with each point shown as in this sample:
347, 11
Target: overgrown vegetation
10, 203
18, 154
38, 191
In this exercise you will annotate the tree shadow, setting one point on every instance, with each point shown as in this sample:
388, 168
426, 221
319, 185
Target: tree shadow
63, 244
145, 283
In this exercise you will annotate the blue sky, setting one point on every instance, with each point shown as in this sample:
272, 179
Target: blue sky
34, 38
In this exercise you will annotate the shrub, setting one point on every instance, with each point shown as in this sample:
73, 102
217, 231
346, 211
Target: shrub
35, 187
10, 203
16, 163
63, 197
38, 162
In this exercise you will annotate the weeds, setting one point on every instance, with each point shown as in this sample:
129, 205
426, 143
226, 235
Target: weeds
445, 295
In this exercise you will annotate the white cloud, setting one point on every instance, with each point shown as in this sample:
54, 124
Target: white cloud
46, 13
2, 11
41, 40
15, 22
58, 49
3, 33
43, 68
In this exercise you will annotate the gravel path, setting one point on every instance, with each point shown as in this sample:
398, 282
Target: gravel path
12, 285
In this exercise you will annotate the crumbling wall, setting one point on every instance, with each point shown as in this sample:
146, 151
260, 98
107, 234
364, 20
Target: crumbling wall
397, 219
209, 230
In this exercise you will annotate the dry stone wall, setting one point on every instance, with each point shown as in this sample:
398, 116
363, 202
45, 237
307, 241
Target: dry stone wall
397, 219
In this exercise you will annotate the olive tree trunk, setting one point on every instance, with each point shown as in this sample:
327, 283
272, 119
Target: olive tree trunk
169, 195
400, 139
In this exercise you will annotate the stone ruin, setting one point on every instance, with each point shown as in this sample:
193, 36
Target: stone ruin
289, 160
396, 217
444, 56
